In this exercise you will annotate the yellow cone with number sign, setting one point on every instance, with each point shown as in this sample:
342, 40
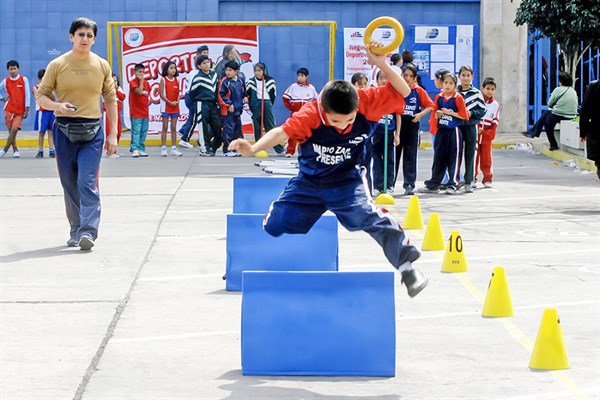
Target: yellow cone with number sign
413, 218
454, 259
549, 351
497, 301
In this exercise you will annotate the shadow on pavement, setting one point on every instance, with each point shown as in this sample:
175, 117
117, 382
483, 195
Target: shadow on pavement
41, 253
251, 387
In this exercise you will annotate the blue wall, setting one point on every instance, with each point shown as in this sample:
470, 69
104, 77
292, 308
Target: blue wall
35, 31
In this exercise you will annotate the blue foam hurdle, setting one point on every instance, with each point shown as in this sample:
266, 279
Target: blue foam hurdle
254, 194
318, 323
250, 248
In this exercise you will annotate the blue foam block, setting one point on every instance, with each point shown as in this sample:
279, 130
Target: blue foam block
250, 248
318, 323
254, 194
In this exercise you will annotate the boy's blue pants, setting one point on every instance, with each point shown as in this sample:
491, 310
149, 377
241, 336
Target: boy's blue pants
303, 201
78, 167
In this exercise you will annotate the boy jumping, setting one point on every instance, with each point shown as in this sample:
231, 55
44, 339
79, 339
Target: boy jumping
332, 133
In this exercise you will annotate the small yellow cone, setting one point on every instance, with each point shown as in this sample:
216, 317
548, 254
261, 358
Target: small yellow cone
261, 154
413, 218
434, 237
549, 351
385, 198
454, 259
497, 301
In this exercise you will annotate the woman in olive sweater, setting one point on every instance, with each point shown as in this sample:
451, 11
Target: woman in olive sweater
563, 105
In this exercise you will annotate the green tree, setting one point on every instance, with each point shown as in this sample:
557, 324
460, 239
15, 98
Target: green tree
573, 24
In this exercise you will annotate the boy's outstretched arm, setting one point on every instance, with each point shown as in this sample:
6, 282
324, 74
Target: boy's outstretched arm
391, 74
274, 137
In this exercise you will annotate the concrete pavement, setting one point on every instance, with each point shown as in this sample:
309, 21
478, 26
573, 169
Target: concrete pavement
145, 315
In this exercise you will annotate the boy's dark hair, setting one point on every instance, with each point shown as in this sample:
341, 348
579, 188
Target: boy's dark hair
165, 70
407, 56
202, 48
395, 58
466, 68
201, 59
41, 73
233, 65
137, 67
440, 73
489, 81
339, 97
83, 22
12, 63
118, 80
357, 77
302, 71
411, 67
565, 79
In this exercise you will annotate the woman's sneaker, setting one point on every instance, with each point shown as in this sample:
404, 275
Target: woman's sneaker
176, 153
135, 154
488, 185
86, 243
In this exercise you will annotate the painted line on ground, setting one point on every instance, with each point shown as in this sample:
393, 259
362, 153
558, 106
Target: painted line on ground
180, 277
208, 190
173, 337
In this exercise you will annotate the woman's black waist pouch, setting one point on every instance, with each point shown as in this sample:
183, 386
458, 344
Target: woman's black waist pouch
79, 132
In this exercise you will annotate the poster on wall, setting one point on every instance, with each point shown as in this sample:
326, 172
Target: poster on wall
153, 46
355, 55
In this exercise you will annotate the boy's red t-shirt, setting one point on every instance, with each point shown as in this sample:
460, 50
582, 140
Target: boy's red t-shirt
138, 103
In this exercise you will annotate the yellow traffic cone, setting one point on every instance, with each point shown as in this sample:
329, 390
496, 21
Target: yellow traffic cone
261, 154
385, 198
434, 237
497, 301
549, 351
413, 218
454, 259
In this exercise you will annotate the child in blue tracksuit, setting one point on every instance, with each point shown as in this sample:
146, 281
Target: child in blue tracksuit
378, 154
333, 132
449, 110
232, 91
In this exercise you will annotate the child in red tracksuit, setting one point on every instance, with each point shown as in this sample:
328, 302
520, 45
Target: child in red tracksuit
295, 97
486, 133
120, 97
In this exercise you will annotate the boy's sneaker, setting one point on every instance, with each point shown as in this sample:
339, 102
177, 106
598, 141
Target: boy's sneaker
135, 154
176, 153
488, 185
2, 153
40, 154
427, 190
143, 153
450, 190
232, 154
203, 153
442, 187
210, 153
114, 156
460, 184
414, 280
72, 242
409, 191
288, 155
390, 191
51, 154
376, 192
185, 144
16, 154
163, 153
468, 188
86, 243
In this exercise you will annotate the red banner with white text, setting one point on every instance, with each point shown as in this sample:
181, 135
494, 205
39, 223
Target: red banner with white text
153, 46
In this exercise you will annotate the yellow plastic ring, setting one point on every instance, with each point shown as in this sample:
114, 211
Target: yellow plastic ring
387, 21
